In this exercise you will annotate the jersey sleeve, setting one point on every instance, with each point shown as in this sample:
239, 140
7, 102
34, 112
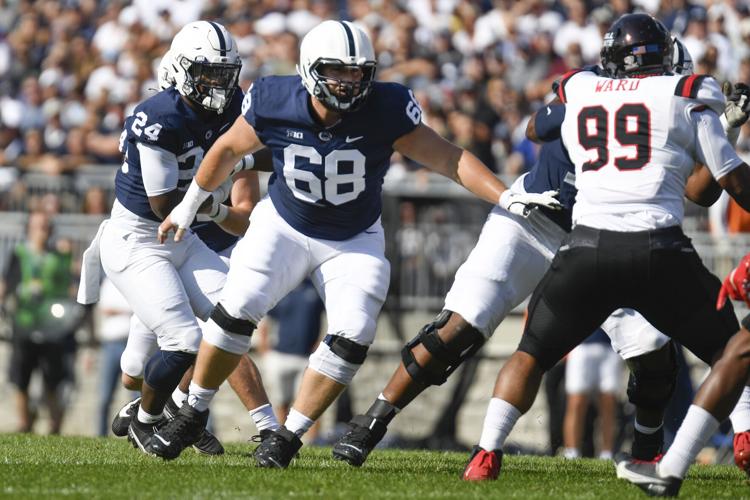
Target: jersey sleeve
250, 105
712, 147
702, 91
547, 122
152, 126
400, 111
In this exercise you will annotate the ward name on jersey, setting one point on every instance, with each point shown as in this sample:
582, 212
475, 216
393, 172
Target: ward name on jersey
167, 122
634, 146
327, 182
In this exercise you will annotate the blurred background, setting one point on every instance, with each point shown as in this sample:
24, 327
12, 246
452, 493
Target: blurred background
72, 70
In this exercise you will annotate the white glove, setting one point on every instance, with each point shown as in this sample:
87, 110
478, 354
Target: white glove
737, 108
183, 214
522, 203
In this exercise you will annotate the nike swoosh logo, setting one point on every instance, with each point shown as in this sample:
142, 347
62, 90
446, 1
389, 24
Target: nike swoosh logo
370, 232
166, 443
228, 124
352, 139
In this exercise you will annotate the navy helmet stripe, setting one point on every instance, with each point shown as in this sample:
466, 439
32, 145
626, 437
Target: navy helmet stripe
349, 38
222, 42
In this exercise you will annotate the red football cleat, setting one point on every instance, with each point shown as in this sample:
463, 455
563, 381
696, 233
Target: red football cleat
483, 465
742, 451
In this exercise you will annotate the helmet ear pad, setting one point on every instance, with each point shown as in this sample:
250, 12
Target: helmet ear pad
637, 44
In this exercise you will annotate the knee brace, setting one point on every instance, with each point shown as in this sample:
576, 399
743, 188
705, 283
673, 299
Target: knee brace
227, 332
651, 385
446, 358
165, 369
338, 358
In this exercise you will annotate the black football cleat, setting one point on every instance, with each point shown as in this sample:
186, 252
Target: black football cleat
277, 449
646, 476
207, 444
648, 447
123, 418
140, 434
364, 434
177, 434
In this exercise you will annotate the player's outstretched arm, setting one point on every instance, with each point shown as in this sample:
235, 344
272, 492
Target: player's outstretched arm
427, 147
701, 188
216, 166
245, 194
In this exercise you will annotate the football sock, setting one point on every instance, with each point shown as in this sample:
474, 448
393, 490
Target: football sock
264, 418
146, 418
740, 416
571, 453
499, 421
179, 397
696, 429
646, 430
298, 423
199, 397
605, 455
382, 410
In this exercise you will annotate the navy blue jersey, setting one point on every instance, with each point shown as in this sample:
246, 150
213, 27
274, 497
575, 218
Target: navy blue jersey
554, 171
166, 121
598, 337
299, 317
327, 182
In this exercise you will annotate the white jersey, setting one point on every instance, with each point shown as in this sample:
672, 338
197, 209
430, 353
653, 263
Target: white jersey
634, 143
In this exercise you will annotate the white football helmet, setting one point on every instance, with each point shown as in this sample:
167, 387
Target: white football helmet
682, 63
342, 44
203, 64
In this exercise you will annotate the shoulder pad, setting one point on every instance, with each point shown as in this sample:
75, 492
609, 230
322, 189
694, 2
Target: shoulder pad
703, 89
558, 87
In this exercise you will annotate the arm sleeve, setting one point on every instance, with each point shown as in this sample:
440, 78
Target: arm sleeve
712, 147
548, 121
159, 169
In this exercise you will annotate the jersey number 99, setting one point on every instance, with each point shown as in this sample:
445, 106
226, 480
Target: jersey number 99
632, 124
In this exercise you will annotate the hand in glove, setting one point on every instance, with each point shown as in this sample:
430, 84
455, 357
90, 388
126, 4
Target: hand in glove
522, 203
736, 284
737, 109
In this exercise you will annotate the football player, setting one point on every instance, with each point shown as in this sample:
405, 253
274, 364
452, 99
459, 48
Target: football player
512, 254
634, 138
331, 130
167, 286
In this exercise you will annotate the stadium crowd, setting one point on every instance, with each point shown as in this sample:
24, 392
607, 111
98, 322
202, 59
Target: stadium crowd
71, 71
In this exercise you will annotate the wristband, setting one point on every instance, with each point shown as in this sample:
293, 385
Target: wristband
222, 211
194, 197
246, 163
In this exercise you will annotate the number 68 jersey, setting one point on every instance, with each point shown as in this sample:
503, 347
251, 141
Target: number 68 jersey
327, 182
633, 142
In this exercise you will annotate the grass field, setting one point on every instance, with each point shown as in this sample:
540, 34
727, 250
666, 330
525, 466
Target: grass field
52, 467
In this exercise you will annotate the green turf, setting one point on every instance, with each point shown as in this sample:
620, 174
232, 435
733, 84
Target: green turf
45, 467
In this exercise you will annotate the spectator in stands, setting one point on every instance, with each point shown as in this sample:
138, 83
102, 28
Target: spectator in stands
593, 369
289, 334
37, 291
113, 315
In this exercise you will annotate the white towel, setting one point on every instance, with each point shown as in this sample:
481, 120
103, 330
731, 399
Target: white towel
91, 271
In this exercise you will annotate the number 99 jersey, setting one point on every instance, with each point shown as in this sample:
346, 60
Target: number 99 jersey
327, 182
633, 144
